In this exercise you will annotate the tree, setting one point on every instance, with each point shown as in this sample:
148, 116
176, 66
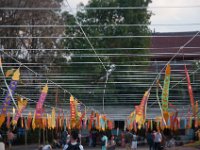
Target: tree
115, 24
24, 24
31, 43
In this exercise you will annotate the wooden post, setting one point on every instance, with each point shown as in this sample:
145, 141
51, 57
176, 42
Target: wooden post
39, 136
26, 137
43, 136
52, 134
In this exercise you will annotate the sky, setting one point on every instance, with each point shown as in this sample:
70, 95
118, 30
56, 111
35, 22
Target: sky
169, 15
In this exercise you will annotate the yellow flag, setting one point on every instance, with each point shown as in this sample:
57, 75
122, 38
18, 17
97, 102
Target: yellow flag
9, 72
53, 122
33, 122
49, 121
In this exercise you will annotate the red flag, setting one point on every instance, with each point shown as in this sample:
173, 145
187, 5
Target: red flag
190, 89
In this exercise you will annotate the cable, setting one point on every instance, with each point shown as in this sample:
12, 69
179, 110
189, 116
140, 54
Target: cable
184, 78
96, 37
170, 61
97, 8
105, 49
21, 64
92, 25
174, 57
86, 37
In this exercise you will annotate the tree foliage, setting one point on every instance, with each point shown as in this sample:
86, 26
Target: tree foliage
29, 41
109, 38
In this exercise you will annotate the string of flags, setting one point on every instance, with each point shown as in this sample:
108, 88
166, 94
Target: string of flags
137, 119
77, 119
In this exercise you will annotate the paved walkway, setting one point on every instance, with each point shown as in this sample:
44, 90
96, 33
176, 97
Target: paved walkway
35, 147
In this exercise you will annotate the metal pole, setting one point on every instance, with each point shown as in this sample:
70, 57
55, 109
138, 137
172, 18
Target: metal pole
104, 91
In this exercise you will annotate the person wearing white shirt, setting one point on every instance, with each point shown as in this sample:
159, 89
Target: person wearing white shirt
47, 147
158, 140
73, 144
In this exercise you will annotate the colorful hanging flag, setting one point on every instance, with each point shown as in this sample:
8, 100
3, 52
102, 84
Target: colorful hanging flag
91, 120
33, 122
21, 106
39, 106
73, 112
190, 90
13, 112
196, 116
22, 122
29, 120
57, 121
9, 72
165, 93
53, 114
6, 103
8, 121
49, 120
140, 110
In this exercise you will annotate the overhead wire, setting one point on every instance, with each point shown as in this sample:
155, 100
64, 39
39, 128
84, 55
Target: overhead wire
108, 48
48, 80
127, 8
91, 25
91, 45
170, 61
98, 8
95, 37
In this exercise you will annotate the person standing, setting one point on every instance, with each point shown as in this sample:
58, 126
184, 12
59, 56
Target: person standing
90, 139
73, 144
94, 138
158, 139
111, 143
47, 147
104, 141
134, 142
64, 137
123, 140
150, 140
10, 137
128, 140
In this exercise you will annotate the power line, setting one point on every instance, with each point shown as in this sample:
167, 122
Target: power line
157, 77
85, 36
97, 8
94, 25
96, 37
48, 80
108, 48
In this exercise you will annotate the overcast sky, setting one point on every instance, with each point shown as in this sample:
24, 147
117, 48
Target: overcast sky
169, 16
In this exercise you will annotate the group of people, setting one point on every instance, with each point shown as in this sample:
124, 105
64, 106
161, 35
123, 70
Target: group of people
108, 144
154, 140
72, 142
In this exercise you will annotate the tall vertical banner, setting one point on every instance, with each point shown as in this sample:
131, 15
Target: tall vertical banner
8, 121
196, 116
39, 109
165, 93
6, 102
53, 114
73, 112
140, 110
21, 106
190, 90
29, 120
33, 122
